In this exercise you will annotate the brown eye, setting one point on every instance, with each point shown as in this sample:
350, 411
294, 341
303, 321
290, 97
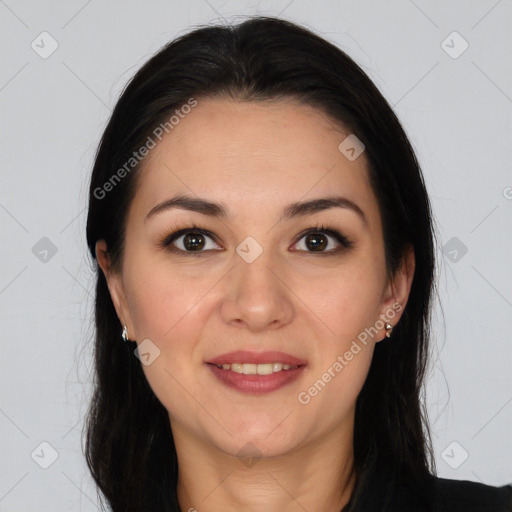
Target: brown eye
193, 240
323, 241
316, 242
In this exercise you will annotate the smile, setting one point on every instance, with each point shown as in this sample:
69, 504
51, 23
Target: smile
255, 379
256, 369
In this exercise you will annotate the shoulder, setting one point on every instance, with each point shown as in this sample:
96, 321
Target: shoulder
465, 496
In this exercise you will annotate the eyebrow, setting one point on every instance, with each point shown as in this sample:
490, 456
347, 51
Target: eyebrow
298, 209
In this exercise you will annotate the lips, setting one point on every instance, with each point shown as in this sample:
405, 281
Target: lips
256, 384
244, 356
250, 372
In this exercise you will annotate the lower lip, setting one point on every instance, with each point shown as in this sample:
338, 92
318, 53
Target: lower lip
256, 384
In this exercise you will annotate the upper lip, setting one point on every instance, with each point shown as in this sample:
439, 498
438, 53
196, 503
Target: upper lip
244, 356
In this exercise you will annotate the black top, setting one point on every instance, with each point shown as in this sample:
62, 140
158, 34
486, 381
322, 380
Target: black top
436, 495
466, 496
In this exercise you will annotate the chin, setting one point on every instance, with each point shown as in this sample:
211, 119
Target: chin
261, 442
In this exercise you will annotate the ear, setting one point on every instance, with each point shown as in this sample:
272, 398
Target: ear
115, 287
398, 288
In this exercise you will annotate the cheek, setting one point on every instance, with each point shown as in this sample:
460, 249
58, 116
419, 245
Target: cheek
343, 358
335, 387
167, 308
162, 300
347, 301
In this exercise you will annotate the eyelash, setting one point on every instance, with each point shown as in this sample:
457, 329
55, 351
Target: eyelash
166, 241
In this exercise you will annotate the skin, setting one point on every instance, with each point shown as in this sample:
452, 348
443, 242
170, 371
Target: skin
255, 158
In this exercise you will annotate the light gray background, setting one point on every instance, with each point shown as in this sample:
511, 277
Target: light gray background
457, 112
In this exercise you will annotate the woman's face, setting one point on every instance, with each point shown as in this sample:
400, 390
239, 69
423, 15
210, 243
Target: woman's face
257, 282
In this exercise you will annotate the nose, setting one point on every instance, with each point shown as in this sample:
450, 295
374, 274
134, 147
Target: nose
256, 296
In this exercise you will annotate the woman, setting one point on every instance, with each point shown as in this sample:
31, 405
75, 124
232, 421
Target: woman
265, 250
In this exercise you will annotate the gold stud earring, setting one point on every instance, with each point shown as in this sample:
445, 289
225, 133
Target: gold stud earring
124, 335
389, 330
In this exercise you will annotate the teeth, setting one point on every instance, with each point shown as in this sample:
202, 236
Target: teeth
250, 369
237, 367
256, 369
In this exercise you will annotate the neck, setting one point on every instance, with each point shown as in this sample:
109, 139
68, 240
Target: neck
316, 476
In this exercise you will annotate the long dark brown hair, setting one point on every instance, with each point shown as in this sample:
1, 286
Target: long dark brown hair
129, 444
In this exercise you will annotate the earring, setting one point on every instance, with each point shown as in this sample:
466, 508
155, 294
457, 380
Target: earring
124, 335
389, 330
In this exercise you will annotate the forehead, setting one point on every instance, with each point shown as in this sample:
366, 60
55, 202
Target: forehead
254, 156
